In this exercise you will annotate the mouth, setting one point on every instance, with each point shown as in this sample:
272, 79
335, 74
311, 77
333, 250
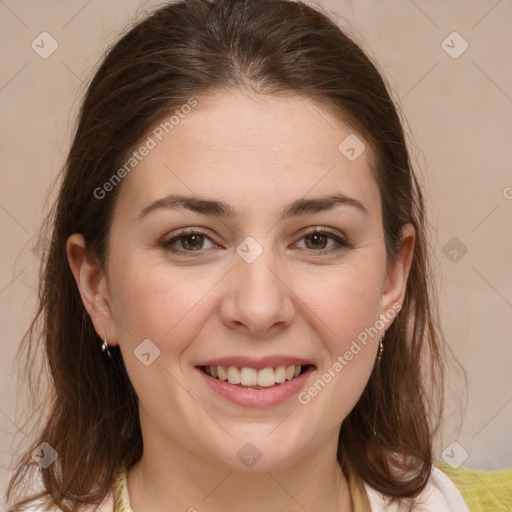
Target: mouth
256, 378
256, 382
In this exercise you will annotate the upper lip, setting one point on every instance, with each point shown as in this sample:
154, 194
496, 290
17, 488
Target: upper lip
251, 362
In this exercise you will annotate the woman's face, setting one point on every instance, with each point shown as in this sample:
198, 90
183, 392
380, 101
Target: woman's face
260, 287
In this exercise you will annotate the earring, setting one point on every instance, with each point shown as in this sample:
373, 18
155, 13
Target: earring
381, 347
379, 356
104, 346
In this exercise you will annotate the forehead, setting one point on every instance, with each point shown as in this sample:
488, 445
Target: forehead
243, 145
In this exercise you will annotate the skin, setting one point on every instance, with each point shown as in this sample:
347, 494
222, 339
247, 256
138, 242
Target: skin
302, 297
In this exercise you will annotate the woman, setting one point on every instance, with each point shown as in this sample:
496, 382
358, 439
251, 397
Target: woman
236, 301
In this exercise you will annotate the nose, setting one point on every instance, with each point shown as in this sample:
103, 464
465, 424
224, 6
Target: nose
257, 296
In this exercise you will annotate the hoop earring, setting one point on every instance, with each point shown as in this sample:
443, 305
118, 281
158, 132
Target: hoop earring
104, 346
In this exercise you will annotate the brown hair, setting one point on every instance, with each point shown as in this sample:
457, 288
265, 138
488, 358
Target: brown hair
180, 51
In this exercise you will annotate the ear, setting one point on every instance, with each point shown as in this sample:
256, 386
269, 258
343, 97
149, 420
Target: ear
393, 291
92, 286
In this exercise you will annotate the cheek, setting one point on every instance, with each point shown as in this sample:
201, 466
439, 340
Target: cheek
345, 308
168, 309
157, 302
351, 346
345, 301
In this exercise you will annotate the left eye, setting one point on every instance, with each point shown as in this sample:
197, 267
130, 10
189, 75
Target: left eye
320, 238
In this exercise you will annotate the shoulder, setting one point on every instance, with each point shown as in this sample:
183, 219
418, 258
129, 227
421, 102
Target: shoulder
439, 495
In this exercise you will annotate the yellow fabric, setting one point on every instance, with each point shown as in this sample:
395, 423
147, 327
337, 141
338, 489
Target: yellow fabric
358, 494
121, 498
483, 491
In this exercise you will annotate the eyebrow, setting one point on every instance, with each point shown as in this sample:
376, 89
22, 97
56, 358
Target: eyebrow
220, 209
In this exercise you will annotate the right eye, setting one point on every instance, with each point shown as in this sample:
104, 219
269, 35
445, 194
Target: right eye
191, 240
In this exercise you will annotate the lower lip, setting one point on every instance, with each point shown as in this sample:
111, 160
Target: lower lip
257, 397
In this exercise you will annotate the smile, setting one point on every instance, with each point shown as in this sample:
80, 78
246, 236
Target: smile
256, 383
252, 378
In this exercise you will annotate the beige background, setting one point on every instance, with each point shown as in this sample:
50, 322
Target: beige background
459, 113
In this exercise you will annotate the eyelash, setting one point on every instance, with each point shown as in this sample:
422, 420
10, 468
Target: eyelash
167, 244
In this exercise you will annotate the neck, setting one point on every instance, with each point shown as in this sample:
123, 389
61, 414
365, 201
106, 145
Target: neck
185, 482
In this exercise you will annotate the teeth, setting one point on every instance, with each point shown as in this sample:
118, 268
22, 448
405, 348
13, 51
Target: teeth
249, 377
222, 374
266, 377
280, 373
246, 376
233, 375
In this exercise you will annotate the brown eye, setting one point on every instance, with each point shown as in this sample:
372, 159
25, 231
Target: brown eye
192, 242
188, 241
318, 241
